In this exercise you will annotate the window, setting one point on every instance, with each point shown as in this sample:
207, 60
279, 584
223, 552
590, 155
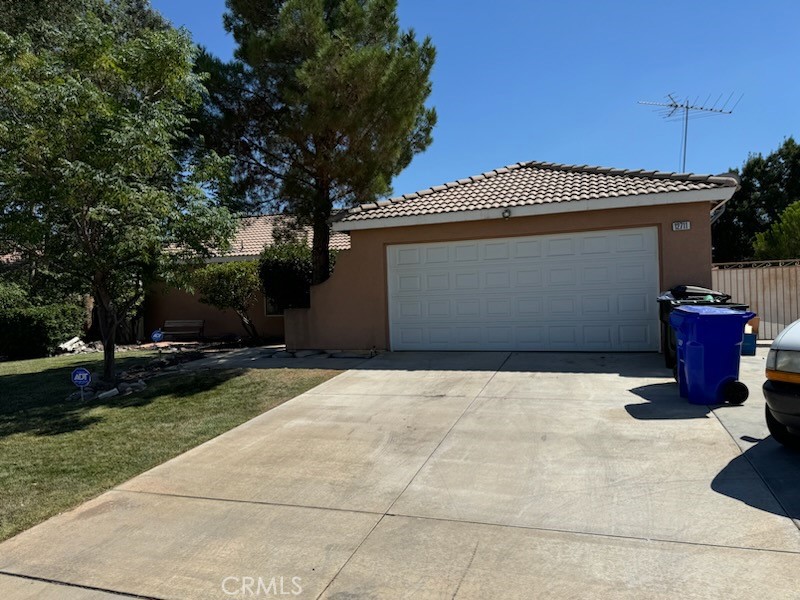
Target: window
270, 309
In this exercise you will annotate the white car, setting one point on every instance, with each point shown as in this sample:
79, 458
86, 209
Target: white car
782, 388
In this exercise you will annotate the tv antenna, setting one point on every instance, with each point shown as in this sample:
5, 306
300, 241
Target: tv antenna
674, 110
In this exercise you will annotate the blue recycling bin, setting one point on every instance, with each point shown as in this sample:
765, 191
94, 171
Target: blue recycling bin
709, 344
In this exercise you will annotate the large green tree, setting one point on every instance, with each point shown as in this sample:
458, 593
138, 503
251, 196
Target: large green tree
322, 107
42, 21
94, 179
769, 184
782, 239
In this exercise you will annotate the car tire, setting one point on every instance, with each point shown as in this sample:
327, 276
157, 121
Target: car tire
781, 433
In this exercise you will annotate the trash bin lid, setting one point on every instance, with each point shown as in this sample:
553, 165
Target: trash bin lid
712, 311
682, 292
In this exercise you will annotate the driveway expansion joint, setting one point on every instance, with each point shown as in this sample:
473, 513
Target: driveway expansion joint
256, 502
88, 588
593, 534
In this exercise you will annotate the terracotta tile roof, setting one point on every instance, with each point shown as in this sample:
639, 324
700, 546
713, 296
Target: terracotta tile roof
256, 233
525, 184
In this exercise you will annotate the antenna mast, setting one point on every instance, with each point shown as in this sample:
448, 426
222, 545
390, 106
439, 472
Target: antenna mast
676, 109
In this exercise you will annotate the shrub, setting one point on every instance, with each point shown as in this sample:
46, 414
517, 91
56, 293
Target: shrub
12, 296
233, 285
34, 331
286, 271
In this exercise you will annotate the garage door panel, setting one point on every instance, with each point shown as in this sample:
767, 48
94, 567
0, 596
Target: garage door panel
561, 306
466, 253
409, 309
529, 307
498, 307
597, 335
497, 279
560, 247
437, 255
596, 306
591, 291
562, 275
529, 278
438, 308
601, 274
631, 242
496, 250
631, 273
633, 304
467, 281
468, 308
634, 334
528, 249
596, 244
409, 283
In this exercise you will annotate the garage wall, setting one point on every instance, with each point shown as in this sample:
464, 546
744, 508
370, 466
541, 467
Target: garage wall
350, 310
164, 303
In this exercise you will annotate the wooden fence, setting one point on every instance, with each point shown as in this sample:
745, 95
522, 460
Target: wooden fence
772, 289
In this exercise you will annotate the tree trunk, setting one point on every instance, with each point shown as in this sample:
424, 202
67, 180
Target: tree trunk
107, 316
320, 253
109, 358
248, 325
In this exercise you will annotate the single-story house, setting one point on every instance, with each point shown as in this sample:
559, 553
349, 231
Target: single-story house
532, 256
164, 303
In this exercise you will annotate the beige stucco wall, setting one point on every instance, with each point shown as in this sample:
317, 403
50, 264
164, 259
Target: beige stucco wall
164, 303
350, 310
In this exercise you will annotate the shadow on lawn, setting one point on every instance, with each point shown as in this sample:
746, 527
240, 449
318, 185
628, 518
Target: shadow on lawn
35, 402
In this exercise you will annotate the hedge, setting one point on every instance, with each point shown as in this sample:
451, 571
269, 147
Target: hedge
35, 331
285, 271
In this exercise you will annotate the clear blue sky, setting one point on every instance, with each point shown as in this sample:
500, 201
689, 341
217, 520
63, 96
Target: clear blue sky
520, 80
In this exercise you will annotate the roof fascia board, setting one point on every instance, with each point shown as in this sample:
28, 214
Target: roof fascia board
687, 197
231, 258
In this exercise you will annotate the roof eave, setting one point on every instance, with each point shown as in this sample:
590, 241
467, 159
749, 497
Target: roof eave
713, 195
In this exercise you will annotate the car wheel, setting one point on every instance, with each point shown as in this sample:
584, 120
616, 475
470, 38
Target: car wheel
781, 433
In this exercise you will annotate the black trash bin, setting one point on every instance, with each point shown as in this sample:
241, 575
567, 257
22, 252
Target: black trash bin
683, 295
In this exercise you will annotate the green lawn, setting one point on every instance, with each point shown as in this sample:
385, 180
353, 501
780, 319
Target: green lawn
56, 454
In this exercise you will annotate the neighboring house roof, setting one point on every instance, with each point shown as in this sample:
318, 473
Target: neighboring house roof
256, 233
535, 184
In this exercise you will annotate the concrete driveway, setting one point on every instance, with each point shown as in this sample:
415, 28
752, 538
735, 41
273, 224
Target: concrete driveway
448, 475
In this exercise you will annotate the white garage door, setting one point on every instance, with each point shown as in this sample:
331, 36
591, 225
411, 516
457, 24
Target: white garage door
583, 291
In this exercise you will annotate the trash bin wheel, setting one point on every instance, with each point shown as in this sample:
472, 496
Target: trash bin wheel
735, 392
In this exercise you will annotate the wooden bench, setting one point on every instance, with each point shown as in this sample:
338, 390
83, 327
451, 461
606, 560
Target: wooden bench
186, 329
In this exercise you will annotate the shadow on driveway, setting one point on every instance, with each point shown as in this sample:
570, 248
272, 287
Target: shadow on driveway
777, 466
664, 402
624, 364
